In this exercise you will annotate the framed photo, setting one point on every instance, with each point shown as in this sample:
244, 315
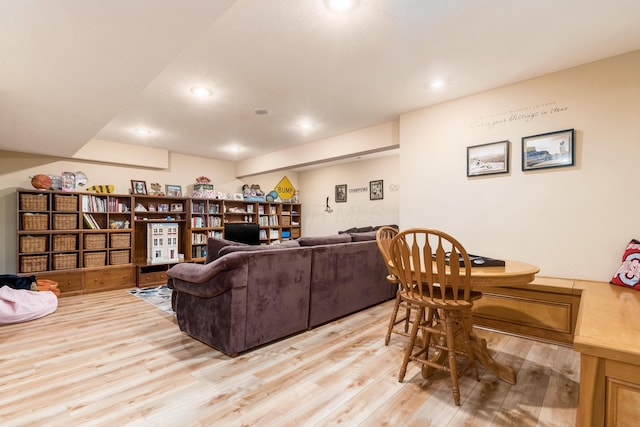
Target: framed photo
249, 208
238, 196
548, 150
341, 193
173, 190
376, 190
176, 207
138, 187
488, 159
163, 207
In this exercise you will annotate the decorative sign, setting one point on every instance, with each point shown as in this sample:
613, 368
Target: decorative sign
285, 189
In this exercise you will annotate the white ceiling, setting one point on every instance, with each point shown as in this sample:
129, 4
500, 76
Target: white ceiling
76, 70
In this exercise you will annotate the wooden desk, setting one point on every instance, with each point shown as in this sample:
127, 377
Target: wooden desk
514, 273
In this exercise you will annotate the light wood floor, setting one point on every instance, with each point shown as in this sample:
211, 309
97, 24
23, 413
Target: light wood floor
111, 359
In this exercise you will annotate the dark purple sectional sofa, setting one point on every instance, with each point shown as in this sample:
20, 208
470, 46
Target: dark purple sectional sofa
247, 296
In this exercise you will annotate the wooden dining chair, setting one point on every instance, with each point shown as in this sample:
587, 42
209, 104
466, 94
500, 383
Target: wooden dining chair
384, 235
441, 292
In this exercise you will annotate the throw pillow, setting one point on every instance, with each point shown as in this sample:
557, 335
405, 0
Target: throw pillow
252, 248
628, 274
324, 240
214, 245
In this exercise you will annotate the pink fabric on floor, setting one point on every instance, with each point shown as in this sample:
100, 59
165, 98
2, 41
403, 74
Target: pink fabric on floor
20, 305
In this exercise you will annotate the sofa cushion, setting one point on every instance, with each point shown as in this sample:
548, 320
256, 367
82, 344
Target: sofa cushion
252, 248
350, 230
324, 240
214, 245
361, 237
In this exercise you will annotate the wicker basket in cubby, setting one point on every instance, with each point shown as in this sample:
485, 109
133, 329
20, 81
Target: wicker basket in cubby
120, 240
95, 241
64, 242
32, 222
95, 259
65, 221
118, 257
31, 264
33, 202
30, 244
65, 261
65, 203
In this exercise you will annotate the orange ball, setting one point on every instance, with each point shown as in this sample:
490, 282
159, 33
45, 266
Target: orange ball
41, 182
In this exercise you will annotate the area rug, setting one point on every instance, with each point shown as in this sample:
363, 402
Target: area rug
159, 296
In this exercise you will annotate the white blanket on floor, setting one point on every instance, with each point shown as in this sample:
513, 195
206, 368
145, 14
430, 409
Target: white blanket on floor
20, 305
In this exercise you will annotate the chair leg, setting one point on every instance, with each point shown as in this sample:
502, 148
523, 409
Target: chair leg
451, 349
411, 343
392, 321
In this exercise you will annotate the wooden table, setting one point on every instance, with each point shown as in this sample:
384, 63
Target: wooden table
514, 273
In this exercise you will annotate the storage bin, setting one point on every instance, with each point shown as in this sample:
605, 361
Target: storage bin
118, 257
33, 202
65, 221
64, 242
120, 240
95, 241
95, 259
31, 264
65, 203
65, 261
33, 243
31, 221
295, 233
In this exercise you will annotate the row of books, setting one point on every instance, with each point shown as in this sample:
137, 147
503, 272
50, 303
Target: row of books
102, 204
270, 220
211, 221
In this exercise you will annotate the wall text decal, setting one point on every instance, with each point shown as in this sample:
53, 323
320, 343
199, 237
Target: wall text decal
526, 114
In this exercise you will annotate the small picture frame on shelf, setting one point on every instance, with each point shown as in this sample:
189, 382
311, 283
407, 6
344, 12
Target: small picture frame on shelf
238, 196
176, 207
376, 190
173, 190
548, 150
138, 187
221, 195
151, 207
163, 207
249, 208
341, 193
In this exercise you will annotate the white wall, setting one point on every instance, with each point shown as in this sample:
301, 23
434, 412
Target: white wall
358, 210
572, 222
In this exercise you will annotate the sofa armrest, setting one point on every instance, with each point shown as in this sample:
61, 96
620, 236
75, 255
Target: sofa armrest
208, 280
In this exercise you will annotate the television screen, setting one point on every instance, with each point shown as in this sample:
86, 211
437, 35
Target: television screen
242, 233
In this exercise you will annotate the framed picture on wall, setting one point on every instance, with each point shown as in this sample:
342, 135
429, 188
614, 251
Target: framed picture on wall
341, 193
488, 159
376, 190
548, 150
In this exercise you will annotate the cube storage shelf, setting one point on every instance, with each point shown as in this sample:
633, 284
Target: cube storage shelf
92, 242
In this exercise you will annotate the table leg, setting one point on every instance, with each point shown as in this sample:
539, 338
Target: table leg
479, 346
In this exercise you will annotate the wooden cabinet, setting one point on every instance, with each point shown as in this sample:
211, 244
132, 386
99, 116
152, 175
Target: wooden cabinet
277, 221
90, 242
61, 234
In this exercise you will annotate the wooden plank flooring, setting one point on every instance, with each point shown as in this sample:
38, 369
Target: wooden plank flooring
111, 359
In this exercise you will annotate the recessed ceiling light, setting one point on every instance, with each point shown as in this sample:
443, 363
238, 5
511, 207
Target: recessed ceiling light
305, 124
436, 84
142, 131
201, 91
341, 6
233, 148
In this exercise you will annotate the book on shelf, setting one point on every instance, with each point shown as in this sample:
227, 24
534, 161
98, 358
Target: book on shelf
90, 221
